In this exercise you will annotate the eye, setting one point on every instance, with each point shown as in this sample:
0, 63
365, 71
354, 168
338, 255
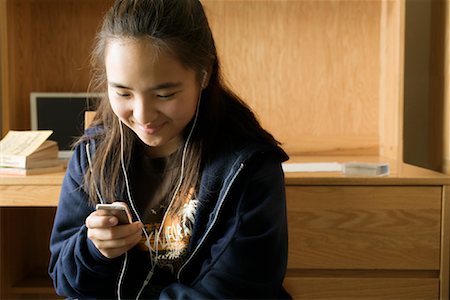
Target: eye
166, 97
123, 94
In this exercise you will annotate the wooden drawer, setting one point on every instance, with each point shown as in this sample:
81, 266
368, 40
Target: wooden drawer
363, 288
364, 227
29, 195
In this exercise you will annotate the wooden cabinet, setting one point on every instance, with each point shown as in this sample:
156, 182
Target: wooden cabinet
368, 238
24, 236
27, 208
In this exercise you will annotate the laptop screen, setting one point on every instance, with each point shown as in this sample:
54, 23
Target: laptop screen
64, 114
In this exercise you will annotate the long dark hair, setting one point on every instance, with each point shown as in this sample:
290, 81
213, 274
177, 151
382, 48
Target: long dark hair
180, 27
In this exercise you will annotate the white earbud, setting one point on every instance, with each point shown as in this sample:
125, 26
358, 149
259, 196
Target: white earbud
204, 80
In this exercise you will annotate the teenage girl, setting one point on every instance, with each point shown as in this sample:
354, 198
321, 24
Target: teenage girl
202, 179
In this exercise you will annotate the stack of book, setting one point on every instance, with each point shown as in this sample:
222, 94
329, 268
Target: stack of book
29, 153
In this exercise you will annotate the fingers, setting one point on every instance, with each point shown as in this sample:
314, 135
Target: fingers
112, 240
112, 248
100, 219
115, 232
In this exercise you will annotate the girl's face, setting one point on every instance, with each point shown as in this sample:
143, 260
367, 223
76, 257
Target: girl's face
151, 92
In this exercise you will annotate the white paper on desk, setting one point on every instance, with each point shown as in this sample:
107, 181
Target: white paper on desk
312, 167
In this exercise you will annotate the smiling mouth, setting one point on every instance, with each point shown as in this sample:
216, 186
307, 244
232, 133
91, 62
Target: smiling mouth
151, 129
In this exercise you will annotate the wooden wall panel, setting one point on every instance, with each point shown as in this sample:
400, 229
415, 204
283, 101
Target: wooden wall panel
437, 85
49, 43
321, 75
445, 244
392, 42
446, 107
310, 69
4, 86
424, 79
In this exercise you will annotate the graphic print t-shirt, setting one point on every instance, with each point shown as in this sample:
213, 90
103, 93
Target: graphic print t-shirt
152, 186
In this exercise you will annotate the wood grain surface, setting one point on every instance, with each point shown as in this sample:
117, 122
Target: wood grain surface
364, 227
322, 76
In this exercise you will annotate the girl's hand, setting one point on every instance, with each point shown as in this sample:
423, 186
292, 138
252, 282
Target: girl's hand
112, 240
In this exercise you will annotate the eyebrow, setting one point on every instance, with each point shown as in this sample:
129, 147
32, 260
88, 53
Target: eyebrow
161, 86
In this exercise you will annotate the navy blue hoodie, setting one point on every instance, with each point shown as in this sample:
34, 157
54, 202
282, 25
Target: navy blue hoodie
238, 247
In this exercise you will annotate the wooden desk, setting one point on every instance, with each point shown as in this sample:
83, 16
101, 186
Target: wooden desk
350, 237
30, 191
27, 208
368, 237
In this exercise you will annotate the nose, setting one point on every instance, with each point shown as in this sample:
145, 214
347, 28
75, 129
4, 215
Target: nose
144, 110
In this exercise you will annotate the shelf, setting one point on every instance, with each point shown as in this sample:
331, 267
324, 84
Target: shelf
401, 173
35, 285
